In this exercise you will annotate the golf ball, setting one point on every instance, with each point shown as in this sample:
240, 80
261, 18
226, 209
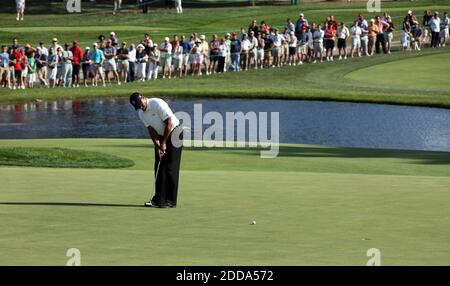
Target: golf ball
253, 222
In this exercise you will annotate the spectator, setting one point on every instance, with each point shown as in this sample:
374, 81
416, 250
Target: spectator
406, 35
178, 6
330, 34
290, 26
222, 56
67, 58
373, 32
292, 49
260, 51
253, 28
276, 48
114, 39
12, 64
20, 8
123, 63
59, 66
166, 58
342, 34
389, 33
141, 60
77, 57
41, 65
445, 23
31, 70
435, 27
355, 33
204, 48
268, 44
235, 50
252, 53
186, 46
4, 68
177, 56
86, 66
110, 62
381, 36
245, 48
55, 45
153, 61
131, 63
363, 25
98, 59
52, 64
318, 43
117, 6
300, 26
214, 53
196, 57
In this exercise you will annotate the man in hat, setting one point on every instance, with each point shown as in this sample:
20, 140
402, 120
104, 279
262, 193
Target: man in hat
166, 134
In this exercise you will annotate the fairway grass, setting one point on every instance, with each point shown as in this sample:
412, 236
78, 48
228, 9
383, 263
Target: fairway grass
313, 206
427, 73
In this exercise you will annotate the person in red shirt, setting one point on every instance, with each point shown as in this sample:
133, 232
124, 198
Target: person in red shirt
77, 53
18, 67
330, 34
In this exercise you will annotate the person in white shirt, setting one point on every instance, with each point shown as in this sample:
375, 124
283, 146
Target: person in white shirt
132, 63
166, 58
318, 43
435, 27
355, 34
246, 46
167, 136
276, 48
292, 48
342, 34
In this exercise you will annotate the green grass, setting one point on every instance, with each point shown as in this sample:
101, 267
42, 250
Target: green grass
59, 158
325, 81
426, 73
313, 206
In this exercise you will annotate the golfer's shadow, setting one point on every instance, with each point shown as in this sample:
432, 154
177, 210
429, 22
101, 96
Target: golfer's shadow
64, 204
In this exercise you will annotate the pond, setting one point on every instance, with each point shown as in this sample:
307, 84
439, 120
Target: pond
307, 122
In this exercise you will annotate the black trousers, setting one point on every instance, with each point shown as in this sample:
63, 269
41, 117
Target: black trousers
381, 40
131, 71
221, 64
144, 6
435, 37
166, 191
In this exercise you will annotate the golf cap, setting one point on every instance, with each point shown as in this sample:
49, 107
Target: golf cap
302, 15
38, 49
409, 12
135, 100
166, 39
54, 40
87, 48
95, 44
140, 46
155, 45
228, 34
202, 37
372, 20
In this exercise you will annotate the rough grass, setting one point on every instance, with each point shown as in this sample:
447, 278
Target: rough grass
60, 158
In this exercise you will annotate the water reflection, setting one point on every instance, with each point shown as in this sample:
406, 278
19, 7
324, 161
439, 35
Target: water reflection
306, 122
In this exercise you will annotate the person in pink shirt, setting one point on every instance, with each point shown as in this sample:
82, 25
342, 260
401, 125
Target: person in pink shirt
381, 36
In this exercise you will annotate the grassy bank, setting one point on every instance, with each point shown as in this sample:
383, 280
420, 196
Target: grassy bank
313, 206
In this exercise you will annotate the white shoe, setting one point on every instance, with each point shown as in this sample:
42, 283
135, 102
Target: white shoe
315, 61
119, 83
17, 19
300, 63
332, 59
340, 58
345, 57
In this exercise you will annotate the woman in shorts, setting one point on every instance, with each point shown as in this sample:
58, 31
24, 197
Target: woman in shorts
52, 64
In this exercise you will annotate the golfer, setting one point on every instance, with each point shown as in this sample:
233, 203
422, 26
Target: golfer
160, 121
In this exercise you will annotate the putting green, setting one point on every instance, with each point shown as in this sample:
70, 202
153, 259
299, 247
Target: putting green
313, 206
427, 73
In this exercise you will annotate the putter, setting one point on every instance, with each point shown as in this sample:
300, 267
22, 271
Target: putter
156, 177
